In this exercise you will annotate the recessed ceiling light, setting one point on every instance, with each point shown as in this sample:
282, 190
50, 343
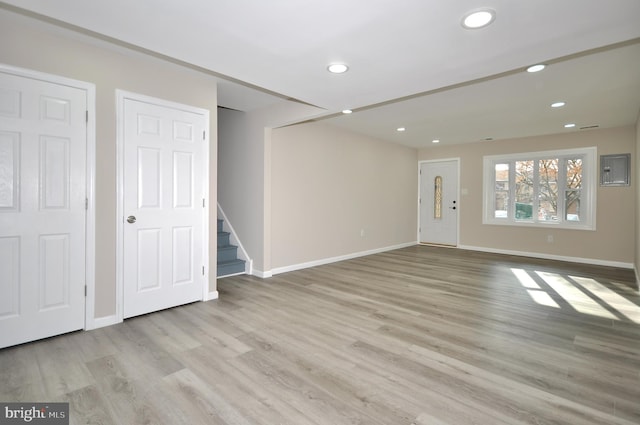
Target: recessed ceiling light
478, 19
347, 111
435, 141
337, 68
401, 129
536, 68
558, 104
570, 125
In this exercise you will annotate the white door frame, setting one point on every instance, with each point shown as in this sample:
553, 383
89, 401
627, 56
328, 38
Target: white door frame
90, 213
121, 96
434, 161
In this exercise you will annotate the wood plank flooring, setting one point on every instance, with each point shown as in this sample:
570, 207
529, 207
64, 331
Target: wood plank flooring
421, 335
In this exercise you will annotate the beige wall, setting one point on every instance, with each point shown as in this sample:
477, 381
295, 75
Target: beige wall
613, 241
328, 185
635, 179
31, 44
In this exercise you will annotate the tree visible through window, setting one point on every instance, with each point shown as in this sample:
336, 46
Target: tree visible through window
531, 188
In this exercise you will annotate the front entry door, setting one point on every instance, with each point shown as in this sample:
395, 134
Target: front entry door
164, 211
43, 159
439, 202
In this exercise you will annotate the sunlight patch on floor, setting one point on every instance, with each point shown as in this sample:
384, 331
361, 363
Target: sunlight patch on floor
543, 298
574, 296
585, 295
524, 278
535, 291
625, 307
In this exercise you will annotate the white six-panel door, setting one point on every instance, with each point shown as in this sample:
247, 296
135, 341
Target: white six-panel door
43, 142
439, 202
164, 154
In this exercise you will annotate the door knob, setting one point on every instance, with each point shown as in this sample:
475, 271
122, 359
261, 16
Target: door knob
131, 219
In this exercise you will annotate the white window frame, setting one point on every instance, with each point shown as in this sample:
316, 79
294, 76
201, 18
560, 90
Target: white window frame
587, 196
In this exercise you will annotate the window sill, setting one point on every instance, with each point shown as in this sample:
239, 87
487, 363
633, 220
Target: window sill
541, 225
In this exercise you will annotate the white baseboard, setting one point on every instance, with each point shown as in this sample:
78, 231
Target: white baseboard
593, 261
323, 261
300, 266
101, 322
263, 274
230, 275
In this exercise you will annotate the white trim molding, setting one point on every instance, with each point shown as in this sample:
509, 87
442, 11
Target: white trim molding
329, 260
90, 235
263, 274
543, 256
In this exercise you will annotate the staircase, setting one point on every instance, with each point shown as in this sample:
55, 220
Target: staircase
228, 261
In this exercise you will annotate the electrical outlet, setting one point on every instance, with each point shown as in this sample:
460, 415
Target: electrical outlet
362, 233
549, 238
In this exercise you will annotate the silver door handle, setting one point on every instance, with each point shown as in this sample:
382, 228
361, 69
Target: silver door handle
131, 219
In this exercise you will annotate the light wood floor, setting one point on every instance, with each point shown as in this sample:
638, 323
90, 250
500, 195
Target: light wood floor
421, 335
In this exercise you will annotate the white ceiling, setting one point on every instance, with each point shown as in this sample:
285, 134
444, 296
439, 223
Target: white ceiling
411, 62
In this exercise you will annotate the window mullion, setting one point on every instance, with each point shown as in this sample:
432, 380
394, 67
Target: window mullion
562, 189
536, 189
512, 191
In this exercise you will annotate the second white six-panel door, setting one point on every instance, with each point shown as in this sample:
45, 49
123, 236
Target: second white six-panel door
164, 154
